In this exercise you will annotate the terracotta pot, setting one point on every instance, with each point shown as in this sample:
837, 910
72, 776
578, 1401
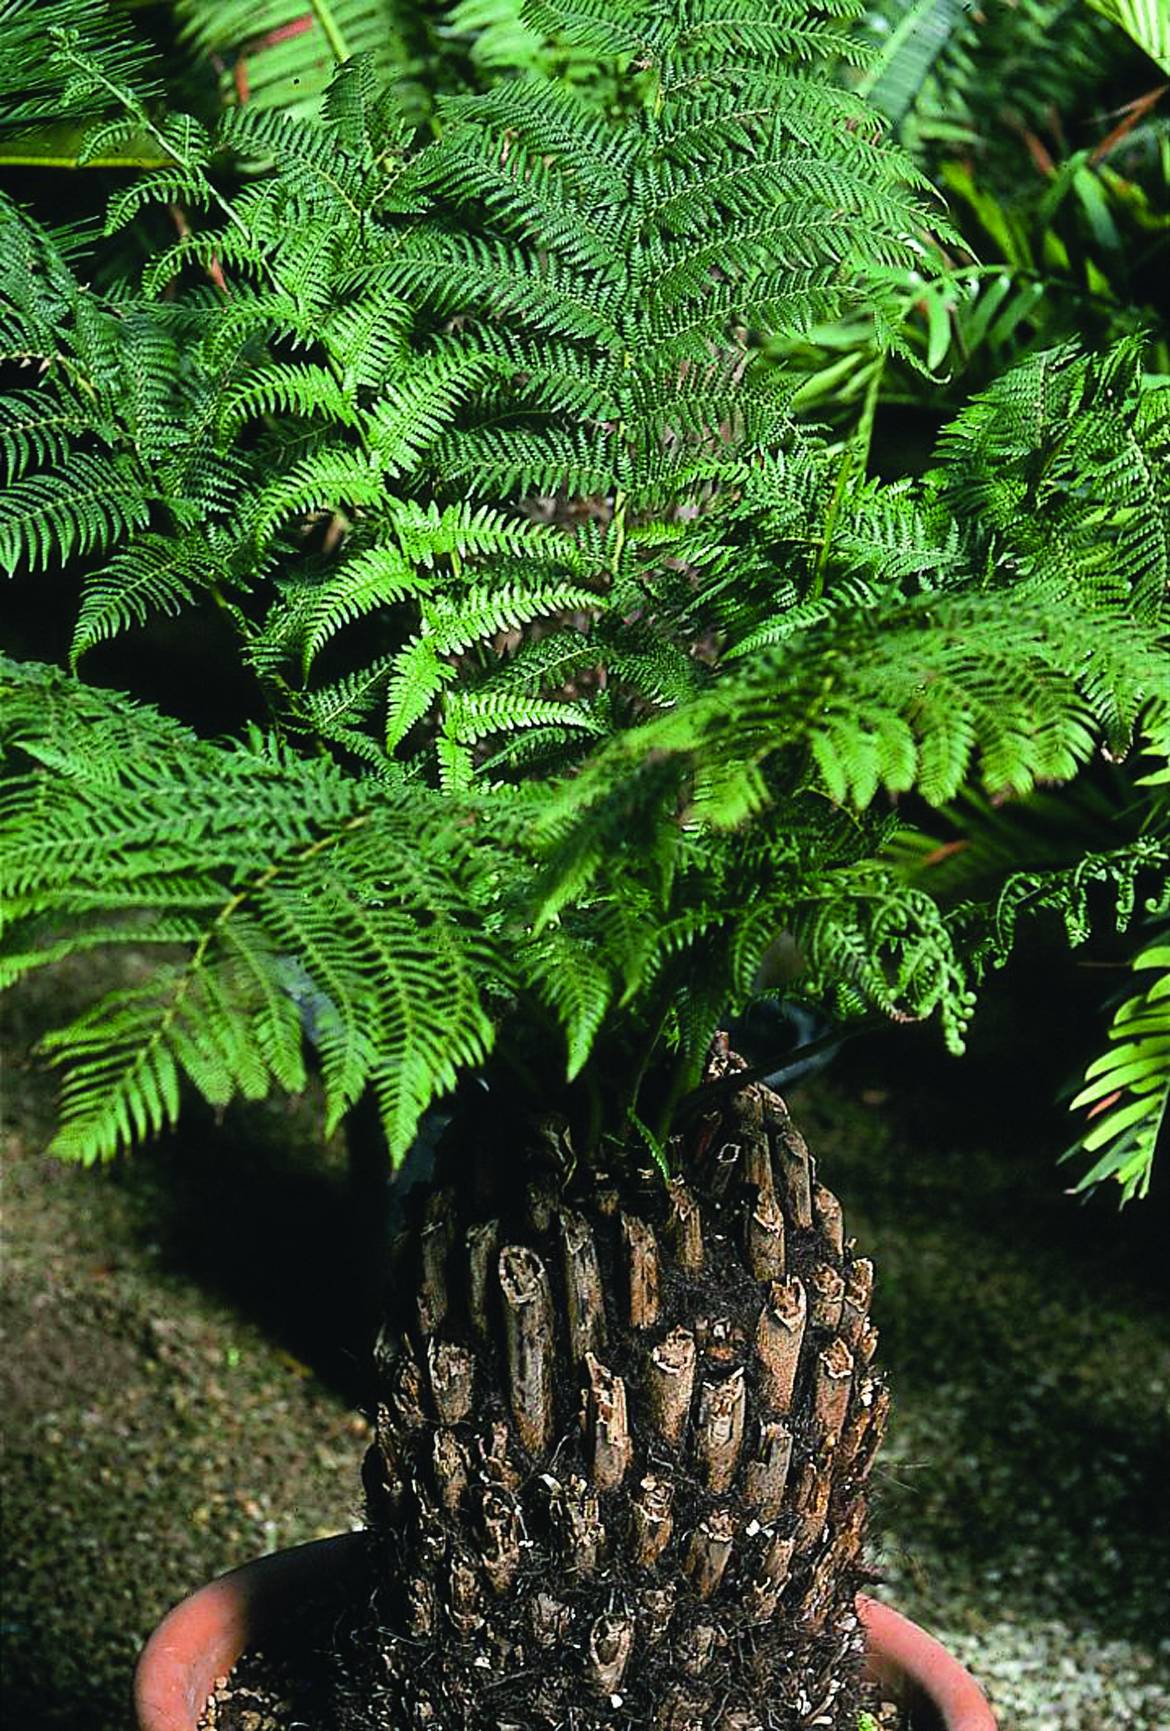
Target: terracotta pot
202, 1638
920, 1673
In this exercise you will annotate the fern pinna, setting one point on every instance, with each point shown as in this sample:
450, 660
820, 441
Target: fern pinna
583, 672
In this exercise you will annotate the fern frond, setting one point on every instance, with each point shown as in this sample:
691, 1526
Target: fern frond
463, 532
301, 860
155, 574
36, 431
374, 578
577, 987
334, 479
276, 55
38, 85
1147, 21
1127, 1088
79, 507
277, 389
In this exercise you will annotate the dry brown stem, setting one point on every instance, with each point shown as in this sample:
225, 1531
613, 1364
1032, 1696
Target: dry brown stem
874, 1432
684, 1226
724, 1167
405, 1404
420, 1607
503, 1530
776, 1561
608, 1437
858, 1295
670, 1382
655, 1609
779, 1334
826, 1289
719, 1429
757, 1164
549, 1620
764, 1236
651, 1522
720, 1342
792, 1167
464, 1596
641, 1250
452, 1374
586, 1302
482, 1246
607, 1654
812, 1500
709, 1550
434, 1250
497, 1465
576, 1516
830, 1221
832, 1385
428, 1525
762, 1599
528, 1327
766, 1474
449, 1465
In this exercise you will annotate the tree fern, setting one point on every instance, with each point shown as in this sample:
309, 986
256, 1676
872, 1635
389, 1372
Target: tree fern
586, 672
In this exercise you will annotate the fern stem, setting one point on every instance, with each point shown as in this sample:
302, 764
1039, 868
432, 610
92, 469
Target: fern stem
130, 103
863, 438
857, 446
619, 532
323, 13
651, 1046
683, 1076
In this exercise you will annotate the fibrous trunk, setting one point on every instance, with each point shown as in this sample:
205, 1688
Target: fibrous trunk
623, 1434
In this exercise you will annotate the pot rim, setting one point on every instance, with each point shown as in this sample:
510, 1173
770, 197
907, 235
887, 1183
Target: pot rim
200, 1640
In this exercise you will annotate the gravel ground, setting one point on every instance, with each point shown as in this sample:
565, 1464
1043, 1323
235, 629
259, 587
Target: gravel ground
1022, 1512
181, 1367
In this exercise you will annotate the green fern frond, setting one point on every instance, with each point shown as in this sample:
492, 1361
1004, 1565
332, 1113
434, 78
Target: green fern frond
279, 55
155, 574
295, 858
37, 85
462, 532
577, 987
374, 578
414, 410
1147, 21
1127, 1089
278, 389
334, 479
36, 432
81, 507
911, 45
